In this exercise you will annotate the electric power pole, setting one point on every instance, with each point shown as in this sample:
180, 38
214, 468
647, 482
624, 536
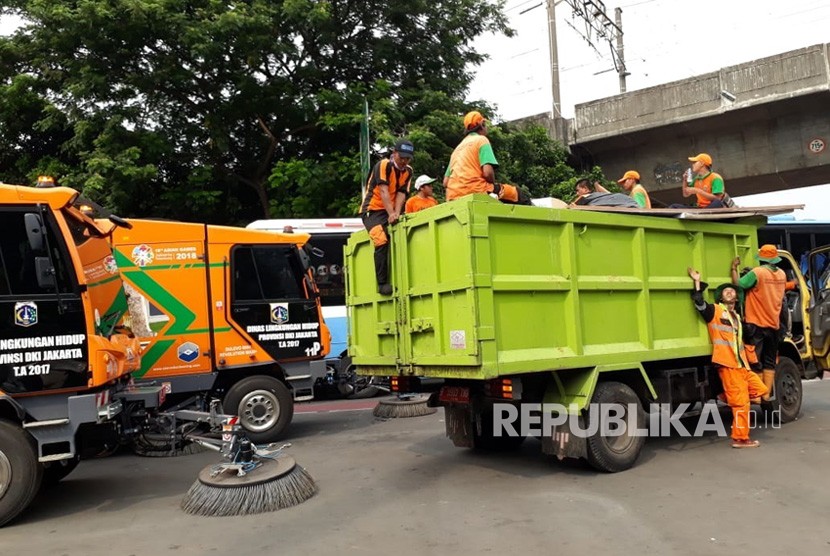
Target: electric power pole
600, 27
620, 50
554, 63
554, 58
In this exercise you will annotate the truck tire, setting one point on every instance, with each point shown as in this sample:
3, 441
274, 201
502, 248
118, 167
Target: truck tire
264, 405
20, 472
787, 391
615, 453
55, 471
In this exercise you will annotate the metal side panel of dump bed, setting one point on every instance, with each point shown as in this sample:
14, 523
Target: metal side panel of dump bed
484, 289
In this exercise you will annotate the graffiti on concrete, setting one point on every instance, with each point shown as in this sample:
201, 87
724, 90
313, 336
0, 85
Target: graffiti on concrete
669, 174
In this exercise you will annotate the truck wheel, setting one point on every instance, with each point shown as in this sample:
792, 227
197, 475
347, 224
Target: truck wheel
616, 453
264, 405
55, 471
788, 391
487, 441
20, 472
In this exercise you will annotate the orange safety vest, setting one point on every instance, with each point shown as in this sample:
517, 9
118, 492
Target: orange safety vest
384, 174
465, 169
640, 189
763, 301
706, 185
416, 203
727, 339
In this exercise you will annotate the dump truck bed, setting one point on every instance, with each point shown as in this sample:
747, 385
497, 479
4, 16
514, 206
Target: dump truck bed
484, 289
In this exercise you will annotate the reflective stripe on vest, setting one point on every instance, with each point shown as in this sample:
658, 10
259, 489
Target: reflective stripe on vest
727, 346
763, 301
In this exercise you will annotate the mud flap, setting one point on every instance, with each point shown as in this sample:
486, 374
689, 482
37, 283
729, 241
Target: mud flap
562, 443
459, 424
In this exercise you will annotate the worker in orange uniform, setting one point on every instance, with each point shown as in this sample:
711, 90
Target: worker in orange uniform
382, 204
630, 182
708, 186
729, 356
423, 198
765, 286
473, 163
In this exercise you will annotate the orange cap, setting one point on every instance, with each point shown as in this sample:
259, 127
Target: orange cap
702, 157
472, 120
768, 253
631, 174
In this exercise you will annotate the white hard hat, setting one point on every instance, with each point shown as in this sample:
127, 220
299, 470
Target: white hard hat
422, 181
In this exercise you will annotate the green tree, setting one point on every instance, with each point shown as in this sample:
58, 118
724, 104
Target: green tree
228, 111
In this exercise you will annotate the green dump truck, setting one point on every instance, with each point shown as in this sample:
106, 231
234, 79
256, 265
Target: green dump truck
526, 305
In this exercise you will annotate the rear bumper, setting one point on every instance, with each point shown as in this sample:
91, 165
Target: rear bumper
415, 384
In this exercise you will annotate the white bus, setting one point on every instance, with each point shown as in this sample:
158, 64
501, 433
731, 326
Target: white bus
329, 235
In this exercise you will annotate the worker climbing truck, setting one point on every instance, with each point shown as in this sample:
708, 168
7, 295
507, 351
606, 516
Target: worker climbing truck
223, 313
497, 305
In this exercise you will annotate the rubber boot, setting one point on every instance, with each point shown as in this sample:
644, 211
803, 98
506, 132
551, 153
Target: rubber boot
769, 382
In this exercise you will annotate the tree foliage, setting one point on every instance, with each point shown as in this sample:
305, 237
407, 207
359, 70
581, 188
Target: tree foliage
226, 111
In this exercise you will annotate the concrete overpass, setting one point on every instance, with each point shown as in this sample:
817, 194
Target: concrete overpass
766, 124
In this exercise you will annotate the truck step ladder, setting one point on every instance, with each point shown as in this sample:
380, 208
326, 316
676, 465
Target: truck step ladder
55, 457
49, 423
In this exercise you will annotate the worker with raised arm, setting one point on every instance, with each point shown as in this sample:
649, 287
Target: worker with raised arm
740, 384
705, 184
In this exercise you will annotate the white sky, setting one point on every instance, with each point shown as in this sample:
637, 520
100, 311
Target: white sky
665, 40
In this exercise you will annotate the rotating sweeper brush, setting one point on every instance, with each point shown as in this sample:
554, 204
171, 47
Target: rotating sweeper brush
252, 480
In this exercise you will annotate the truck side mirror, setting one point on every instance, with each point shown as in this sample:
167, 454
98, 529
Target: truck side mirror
120, 222
34, 231
305, 260
45, 272
309, 286
307, 252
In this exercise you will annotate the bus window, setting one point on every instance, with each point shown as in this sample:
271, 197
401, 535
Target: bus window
328, 270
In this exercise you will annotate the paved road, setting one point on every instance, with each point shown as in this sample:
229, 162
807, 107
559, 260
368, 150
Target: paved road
399, 487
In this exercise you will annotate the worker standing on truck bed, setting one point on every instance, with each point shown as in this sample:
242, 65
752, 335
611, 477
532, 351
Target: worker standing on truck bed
764, 286
729, 356
423, 198
472, 167
383, 202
